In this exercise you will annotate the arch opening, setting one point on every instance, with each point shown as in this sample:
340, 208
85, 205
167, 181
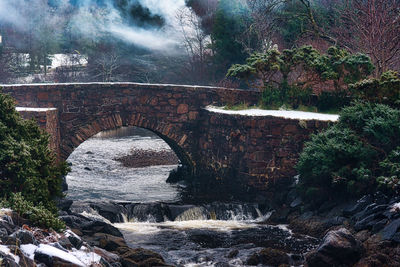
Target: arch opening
125, 164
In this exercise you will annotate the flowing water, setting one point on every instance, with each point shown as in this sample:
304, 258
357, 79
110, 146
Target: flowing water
205, 234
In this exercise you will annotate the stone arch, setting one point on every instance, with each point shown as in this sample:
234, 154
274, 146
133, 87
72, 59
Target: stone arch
170, 133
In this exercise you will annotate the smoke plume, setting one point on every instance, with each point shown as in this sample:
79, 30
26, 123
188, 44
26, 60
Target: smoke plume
95, 19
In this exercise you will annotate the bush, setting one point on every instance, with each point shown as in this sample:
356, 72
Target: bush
27, 164
37, 215
385, 90
349, 157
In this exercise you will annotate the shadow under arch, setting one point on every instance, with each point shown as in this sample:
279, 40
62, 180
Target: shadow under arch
176, 139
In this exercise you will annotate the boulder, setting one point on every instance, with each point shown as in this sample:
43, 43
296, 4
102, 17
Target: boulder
25, 237
361, 204
93, 227
111, 211
268, 256
390, 230
338, 248
140, 255
109, 242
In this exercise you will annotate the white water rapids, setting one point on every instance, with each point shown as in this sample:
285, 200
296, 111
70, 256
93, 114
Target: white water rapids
208, 234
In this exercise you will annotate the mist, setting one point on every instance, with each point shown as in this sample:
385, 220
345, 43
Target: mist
94, 19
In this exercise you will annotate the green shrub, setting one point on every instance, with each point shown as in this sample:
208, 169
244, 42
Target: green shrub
27, 164
384, 90
348, 157
38, 215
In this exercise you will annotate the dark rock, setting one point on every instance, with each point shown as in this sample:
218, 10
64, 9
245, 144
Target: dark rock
108, 256
64, 185
110, 211
109, 242
279, 216
358, 206
65, 243
390, 230
25, 237
64, 204
58, 246
94, 227
74, 221
296, 203
7, 261
326, 206
363, 235
334, 221
268, 256
233, 254
153, 211
380, 198
365, 223
75, 241
139, 255
338, 248
87, 169
306, 215
379, 225
153, 262
396, 237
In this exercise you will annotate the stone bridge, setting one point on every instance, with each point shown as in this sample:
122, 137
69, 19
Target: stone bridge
255, 151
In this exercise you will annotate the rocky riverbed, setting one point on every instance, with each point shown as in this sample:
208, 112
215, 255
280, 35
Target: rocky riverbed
143, 158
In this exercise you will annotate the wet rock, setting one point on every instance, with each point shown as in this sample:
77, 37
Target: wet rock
64, 204
379, 225
279, 215
338, 248
268, 256
7, 260
110, 211
335, 221
109, 242
148, 212
233, 254
363, 235
208, 239
358, 206
66, 243
94, 227
108, 256
390, 230
140, 255
296, 203
74, 221
87, 169
25, 237
74, 241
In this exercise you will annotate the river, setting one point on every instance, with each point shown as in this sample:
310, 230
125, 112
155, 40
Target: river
205, 234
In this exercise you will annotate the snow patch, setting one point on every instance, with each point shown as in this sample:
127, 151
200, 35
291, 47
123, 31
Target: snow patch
395, 207
29, 250
55, 252
7, 251
88, 258
19, 109
287, 114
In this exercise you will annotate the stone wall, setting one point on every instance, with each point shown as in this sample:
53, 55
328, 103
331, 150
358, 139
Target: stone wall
254, 151
47, 120
260, 151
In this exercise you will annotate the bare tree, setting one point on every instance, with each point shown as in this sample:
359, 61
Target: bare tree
195, 41
373, 27
104, 66
261, 25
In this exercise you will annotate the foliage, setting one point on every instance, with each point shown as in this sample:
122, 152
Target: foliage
291, 75
385, 90
27, 164
349, 157
37, 215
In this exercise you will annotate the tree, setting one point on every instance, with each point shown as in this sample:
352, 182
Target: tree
354, 156
372, 27
196, 42
26, 163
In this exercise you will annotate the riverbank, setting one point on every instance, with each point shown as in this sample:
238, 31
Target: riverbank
86, 242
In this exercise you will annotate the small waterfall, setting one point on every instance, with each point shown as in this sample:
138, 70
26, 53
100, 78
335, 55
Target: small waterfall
196, 213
